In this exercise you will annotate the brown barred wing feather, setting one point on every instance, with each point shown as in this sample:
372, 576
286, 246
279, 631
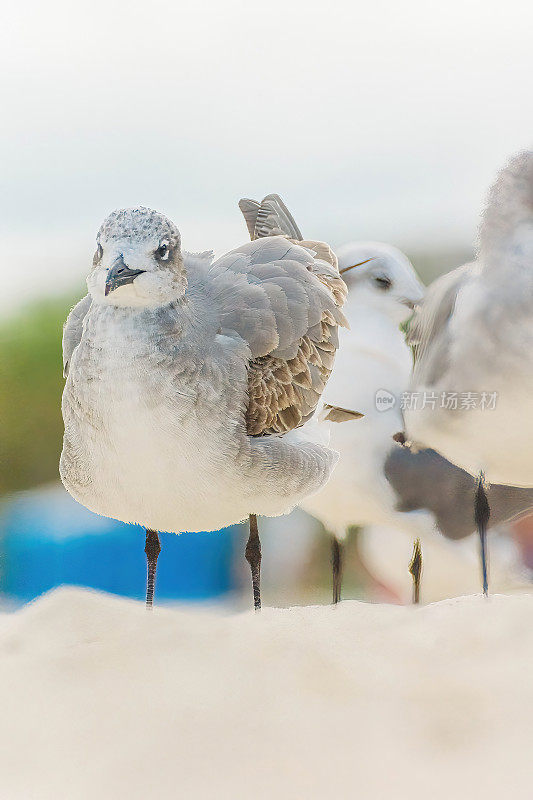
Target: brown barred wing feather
284, 299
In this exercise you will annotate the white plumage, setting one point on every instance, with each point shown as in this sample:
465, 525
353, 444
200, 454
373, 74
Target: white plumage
373, 356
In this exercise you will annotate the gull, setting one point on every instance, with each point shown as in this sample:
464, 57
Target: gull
186, 379
474, 339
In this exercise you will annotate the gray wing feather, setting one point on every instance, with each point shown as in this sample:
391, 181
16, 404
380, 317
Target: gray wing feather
428, 330
72, 330
272, 319
270, 217
426, 481
285, 302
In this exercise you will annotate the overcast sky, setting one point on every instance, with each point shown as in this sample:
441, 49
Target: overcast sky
379, 120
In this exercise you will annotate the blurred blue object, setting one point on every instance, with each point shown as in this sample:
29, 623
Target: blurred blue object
47, 539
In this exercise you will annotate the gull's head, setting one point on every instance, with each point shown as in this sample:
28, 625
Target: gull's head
138, 261
380, 278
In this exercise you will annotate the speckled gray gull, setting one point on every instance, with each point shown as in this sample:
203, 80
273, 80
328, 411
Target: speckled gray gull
474, 338
188, 378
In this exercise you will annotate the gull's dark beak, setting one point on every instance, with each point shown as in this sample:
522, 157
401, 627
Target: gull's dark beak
120, 275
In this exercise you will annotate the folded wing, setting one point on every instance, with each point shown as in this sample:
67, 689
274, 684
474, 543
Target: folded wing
429, 332
73, 329
284, 299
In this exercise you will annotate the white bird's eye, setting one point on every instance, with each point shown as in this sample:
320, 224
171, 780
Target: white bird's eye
163, 251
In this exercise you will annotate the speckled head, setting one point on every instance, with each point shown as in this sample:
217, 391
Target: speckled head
138, 260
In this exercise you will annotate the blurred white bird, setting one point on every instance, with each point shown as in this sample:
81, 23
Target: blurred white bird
187, 378
474, 342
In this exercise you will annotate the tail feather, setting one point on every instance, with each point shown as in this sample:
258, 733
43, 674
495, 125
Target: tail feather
270, 217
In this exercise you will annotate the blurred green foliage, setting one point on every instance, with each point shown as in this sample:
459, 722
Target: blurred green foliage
31, 383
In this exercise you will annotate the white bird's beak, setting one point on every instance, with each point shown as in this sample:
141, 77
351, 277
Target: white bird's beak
360, 264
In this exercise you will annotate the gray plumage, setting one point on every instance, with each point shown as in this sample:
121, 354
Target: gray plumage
474, 336
425, 481
270, 217
158, 393
305, 366
428, 330
72, 330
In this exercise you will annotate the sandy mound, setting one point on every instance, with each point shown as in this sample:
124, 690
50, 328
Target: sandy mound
101, 699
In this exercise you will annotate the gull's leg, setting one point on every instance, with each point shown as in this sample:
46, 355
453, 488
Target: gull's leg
337, 564
253, 557
481, 517
415, 568
152, 548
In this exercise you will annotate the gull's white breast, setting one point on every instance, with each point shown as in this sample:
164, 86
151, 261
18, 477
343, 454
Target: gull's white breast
148, 438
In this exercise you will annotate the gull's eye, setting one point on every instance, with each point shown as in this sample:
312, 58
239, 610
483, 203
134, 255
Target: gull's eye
98, 255
382, 282
163, 251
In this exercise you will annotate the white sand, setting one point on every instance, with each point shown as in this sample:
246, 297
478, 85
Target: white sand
101, 700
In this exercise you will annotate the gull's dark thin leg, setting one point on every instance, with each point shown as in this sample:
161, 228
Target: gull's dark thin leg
152, 548
415, 568
253, 557
481, 517
337, 564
